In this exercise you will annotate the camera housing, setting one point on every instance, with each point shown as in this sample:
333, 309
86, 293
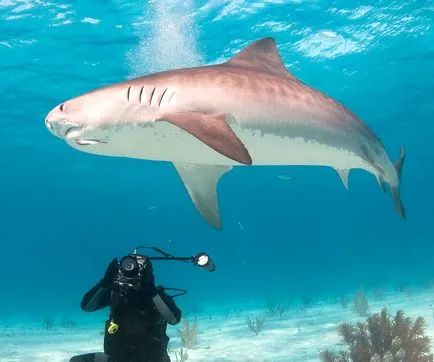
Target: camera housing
131, 270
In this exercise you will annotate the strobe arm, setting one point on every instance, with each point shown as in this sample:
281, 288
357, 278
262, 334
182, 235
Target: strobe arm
202, 259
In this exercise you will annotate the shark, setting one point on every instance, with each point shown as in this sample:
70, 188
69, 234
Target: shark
206, 120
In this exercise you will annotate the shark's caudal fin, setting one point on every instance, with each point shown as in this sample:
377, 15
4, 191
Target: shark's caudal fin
262, 55
396, 189
201, 183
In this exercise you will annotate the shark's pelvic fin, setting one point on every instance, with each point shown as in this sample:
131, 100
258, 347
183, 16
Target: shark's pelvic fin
201, 182
214, 131
343, 174
396, 189
263, 55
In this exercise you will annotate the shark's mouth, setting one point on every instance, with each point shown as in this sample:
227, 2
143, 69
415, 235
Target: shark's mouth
88, 142
72, 132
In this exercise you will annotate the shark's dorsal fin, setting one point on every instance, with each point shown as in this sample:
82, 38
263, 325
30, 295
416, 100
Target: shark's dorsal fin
262, 54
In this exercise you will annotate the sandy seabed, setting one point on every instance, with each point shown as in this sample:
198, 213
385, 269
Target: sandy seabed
298, 335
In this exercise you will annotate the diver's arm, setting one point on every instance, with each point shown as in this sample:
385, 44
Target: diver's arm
99, 295
166, 306
96, 298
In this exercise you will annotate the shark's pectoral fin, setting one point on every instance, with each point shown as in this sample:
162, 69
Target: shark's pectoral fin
201, 183
343, 174
214, 131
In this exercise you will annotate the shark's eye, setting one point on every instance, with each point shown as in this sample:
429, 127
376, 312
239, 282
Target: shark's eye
61, 107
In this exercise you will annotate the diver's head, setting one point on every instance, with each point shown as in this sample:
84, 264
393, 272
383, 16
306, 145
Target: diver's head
147, 272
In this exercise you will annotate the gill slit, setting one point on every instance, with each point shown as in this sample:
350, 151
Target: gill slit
161, 98
170, 98
140, 95
152, 95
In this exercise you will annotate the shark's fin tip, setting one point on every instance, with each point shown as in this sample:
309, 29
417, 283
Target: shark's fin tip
400, 162
398, 203
396, 194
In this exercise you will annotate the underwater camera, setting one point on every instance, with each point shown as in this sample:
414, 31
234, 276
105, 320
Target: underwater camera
133, 266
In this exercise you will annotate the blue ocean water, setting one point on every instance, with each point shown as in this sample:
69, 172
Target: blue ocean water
288, 231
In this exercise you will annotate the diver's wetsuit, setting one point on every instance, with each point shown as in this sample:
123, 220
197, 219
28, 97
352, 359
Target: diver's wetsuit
142, 319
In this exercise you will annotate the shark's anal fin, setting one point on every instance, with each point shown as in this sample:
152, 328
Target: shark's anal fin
201, 182
213, 130
343, 174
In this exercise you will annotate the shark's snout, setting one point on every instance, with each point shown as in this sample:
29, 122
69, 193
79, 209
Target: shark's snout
52, 121
48, 124
58, 124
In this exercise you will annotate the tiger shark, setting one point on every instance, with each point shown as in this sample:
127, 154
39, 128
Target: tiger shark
247, 111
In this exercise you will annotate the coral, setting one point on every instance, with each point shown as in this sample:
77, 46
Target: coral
257, 325
328, 356
181, 356
402, 286
48, 323
383, 338
378, 293
361, 303
344, 301
278, 307
68, 323
189, 336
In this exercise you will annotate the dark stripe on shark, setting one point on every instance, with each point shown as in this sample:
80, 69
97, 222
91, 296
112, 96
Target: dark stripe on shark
140, 94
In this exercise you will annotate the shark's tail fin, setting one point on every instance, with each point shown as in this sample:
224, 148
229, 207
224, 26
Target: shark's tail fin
395, 190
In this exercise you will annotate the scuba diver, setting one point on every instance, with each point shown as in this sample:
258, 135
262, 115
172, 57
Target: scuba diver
139, 310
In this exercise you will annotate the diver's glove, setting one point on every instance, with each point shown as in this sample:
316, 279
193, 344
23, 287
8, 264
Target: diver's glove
110, 274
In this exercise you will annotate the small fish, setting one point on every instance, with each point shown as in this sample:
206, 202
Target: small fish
285, 177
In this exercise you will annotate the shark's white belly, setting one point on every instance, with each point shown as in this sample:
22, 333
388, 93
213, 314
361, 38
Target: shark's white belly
166, 142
